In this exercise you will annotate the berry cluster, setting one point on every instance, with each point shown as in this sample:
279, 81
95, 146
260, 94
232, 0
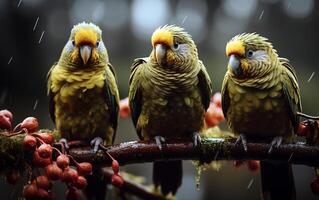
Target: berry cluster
60, 169
214, 114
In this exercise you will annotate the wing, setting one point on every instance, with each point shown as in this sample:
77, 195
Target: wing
112, 97
205, 85
51, 94
291, 91
225, 96
135, 93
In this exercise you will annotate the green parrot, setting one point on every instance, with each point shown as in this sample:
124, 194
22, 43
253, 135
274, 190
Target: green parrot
169, 93
260, 99
82, 89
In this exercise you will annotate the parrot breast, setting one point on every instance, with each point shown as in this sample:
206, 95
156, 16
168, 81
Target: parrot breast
80, 109
261, 112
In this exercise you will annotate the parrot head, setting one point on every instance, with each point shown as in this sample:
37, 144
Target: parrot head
173, 47
250, 56
85, 46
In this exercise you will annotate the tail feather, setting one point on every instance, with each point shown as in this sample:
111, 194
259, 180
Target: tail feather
168, 175
277, 181
96, 186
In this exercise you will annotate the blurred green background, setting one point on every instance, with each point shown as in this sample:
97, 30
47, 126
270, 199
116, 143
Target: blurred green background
33, 33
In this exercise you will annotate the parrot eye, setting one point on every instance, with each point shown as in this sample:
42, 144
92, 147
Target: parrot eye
97, 43
73, 42
176, 46
249, 53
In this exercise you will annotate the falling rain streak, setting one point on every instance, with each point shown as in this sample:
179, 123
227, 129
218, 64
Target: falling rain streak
311, 76
41, 37
250, 183
289, 4
35, 24
19, 3
10, 60
184, 19
290, 156
35, 104
261, 15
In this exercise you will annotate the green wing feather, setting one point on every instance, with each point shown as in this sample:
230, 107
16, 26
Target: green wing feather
225, 96
112, 98
291, 91
205, 85
51, 94
135, 93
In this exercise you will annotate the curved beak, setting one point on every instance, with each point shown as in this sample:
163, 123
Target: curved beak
160, 51
85, 52
234, 64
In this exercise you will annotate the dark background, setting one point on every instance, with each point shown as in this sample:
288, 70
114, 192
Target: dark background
291, 25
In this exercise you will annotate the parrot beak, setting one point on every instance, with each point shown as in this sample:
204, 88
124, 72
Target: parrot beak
85, 52
234, 64
160, 51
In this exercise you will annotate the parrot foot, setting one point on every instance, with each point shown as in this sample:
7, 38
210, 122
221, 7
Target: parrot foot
196, 139
64, 143
242, 138
95, 143
276, 142
159, 141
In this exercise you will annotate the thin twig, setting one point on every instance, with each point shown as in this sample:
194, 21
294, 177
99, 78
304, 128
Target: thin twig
133, 188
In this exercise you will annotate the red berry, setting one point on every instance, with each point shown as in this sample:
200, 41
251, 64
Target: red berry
238, 163
217, 99
38, 161
46, 138
29, 142
13, 177
63, 161
30, 191
42, 182
125, 110
80, 183
303, 129
53, 172
69, 175
253, 165
30, 123
115, 166
7, 114
5, 123
73, 194
315, 186
117, 180
45, 150
84, 168
42, 194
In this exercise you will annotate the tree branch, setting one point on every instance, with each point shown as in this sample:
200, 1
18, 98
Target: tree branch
210, 149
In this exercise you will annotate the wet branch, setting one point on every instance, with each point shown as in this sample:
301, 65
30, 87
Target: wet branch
210, 149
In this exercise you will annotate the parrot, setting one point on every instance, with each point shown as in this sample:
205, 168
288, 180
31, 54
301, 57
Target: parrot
169, 93
260, 101
82, 89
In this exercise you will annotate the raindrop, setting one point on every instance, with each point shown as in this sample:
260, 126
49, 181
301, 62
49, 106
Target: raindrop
250, 183
19, 3
41, 37
288, 6
311, 76
184, 19
35, 104
3, 96
290, 156
215, 157
35, 24
261, 15
10, 60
